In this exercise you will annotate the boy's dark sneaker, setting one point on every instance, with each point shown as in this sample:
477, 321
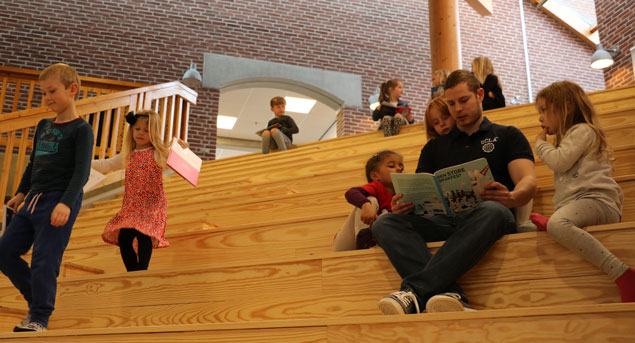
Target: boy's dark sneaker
447, 302
31, 327
401, 302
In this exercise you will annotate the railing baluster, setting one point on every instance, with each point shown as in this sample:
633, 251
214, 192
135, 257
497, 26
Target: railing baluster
179, 114
6, 165
161, 112
170, 116
95, 125
114, 137
186, 115
31, 91
16, 97
3, 93
147, 100
105, 130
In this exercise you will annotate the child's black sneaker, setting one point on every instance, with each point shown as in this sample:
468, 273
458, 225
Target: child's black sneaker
31, 327
447, 302
23, 324
401, 302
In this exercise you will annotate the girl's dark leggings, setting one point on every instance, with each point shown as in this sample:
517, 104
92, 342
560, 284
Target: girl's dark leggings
128, 255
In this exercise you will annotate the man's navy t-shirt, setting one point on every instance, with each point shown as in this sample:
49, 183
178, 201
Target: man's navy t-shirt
499, 144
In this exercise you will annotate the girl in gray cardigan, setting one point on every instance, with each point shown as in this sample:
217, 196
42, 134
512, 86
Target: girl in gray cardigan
585, 192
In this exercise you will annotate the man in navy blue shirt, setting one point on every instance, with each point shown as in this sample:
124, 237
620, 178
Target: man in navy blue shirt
430, 281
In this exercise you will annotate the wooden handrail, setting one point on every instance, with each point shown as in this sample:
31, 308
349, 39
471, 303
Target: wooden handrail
105, 114
14, 80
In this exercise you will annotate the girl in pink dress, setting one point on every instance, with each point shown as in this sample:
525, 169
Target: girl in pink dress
143, 213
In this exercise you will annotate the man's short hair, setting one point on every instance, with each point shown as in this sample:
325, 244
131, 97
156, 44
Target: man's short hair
460, 76
63, 72
277, 100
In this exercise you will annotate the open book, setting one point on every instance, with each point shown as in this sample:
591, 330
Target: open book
184, 162
387, 109
272, 126
448, 191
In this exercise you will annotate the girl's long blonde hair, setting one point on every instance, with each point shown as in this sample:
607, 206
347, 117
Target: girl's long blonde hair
567, 101
441, 104
154, 130
481, 67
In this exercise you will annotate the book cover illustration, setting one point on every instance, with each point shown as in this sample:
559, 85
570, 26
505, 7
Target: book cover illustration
446, 192
462, 184
423, 191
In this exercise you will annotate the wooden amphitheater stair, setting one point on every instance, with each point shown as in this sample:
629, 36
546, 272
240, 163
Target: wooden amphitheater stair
239, 271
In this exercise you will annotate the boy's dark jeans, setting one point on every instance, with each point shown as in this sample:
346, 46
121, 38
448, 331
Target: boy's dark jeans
32, 226
468, 236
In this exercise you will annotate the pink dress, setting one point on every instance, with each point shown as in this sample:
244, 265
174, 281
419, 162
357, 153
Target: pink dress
144, 205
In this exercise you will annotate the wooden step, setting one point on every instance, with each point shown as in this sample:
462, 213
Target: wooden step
585, 323
528, 269
624, 164
298, 205
282, 238
616, 121
271, 237
251, 245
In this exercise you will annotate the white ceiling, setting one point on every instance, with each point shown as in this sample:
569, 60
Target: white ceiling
251, 107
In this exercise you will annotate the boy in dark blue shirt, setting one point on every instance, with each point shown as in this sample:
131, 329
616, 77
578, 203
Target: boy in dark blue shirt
52, 187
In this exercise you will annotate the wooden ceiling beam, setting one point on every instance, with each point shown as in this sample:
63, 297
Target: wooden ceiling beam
483, 7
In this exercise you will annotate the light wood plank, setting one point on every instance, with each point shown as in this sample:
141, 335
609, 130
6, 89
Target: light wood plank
594, 322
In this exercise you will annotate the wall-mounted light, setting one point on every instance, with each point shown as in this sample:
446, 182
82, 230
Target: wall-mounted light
603, 58
192, 78
373, 100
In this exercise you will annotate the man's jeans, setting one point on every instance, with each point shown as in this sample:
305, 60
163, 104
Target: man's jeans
468, 236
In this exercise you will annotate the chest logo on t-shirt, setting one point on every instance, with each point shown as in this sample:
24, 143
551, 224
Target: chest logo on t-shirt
488, 145
48, 141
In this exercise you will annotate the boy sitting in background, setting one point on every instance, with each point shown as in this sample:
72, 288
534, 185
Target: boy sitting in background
281, 128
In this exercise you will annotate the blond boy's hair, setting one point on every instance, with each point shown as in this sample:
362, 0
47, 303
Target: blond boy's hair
154, 127
277, 100
63, 72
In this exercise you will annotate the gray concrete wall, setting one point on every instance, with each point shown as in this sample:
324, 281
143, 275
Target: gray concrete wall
220, 70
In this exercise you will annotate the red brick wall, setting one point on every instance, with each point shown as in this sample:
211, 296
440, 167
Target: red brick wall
616, 20
154, 41
555, 53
